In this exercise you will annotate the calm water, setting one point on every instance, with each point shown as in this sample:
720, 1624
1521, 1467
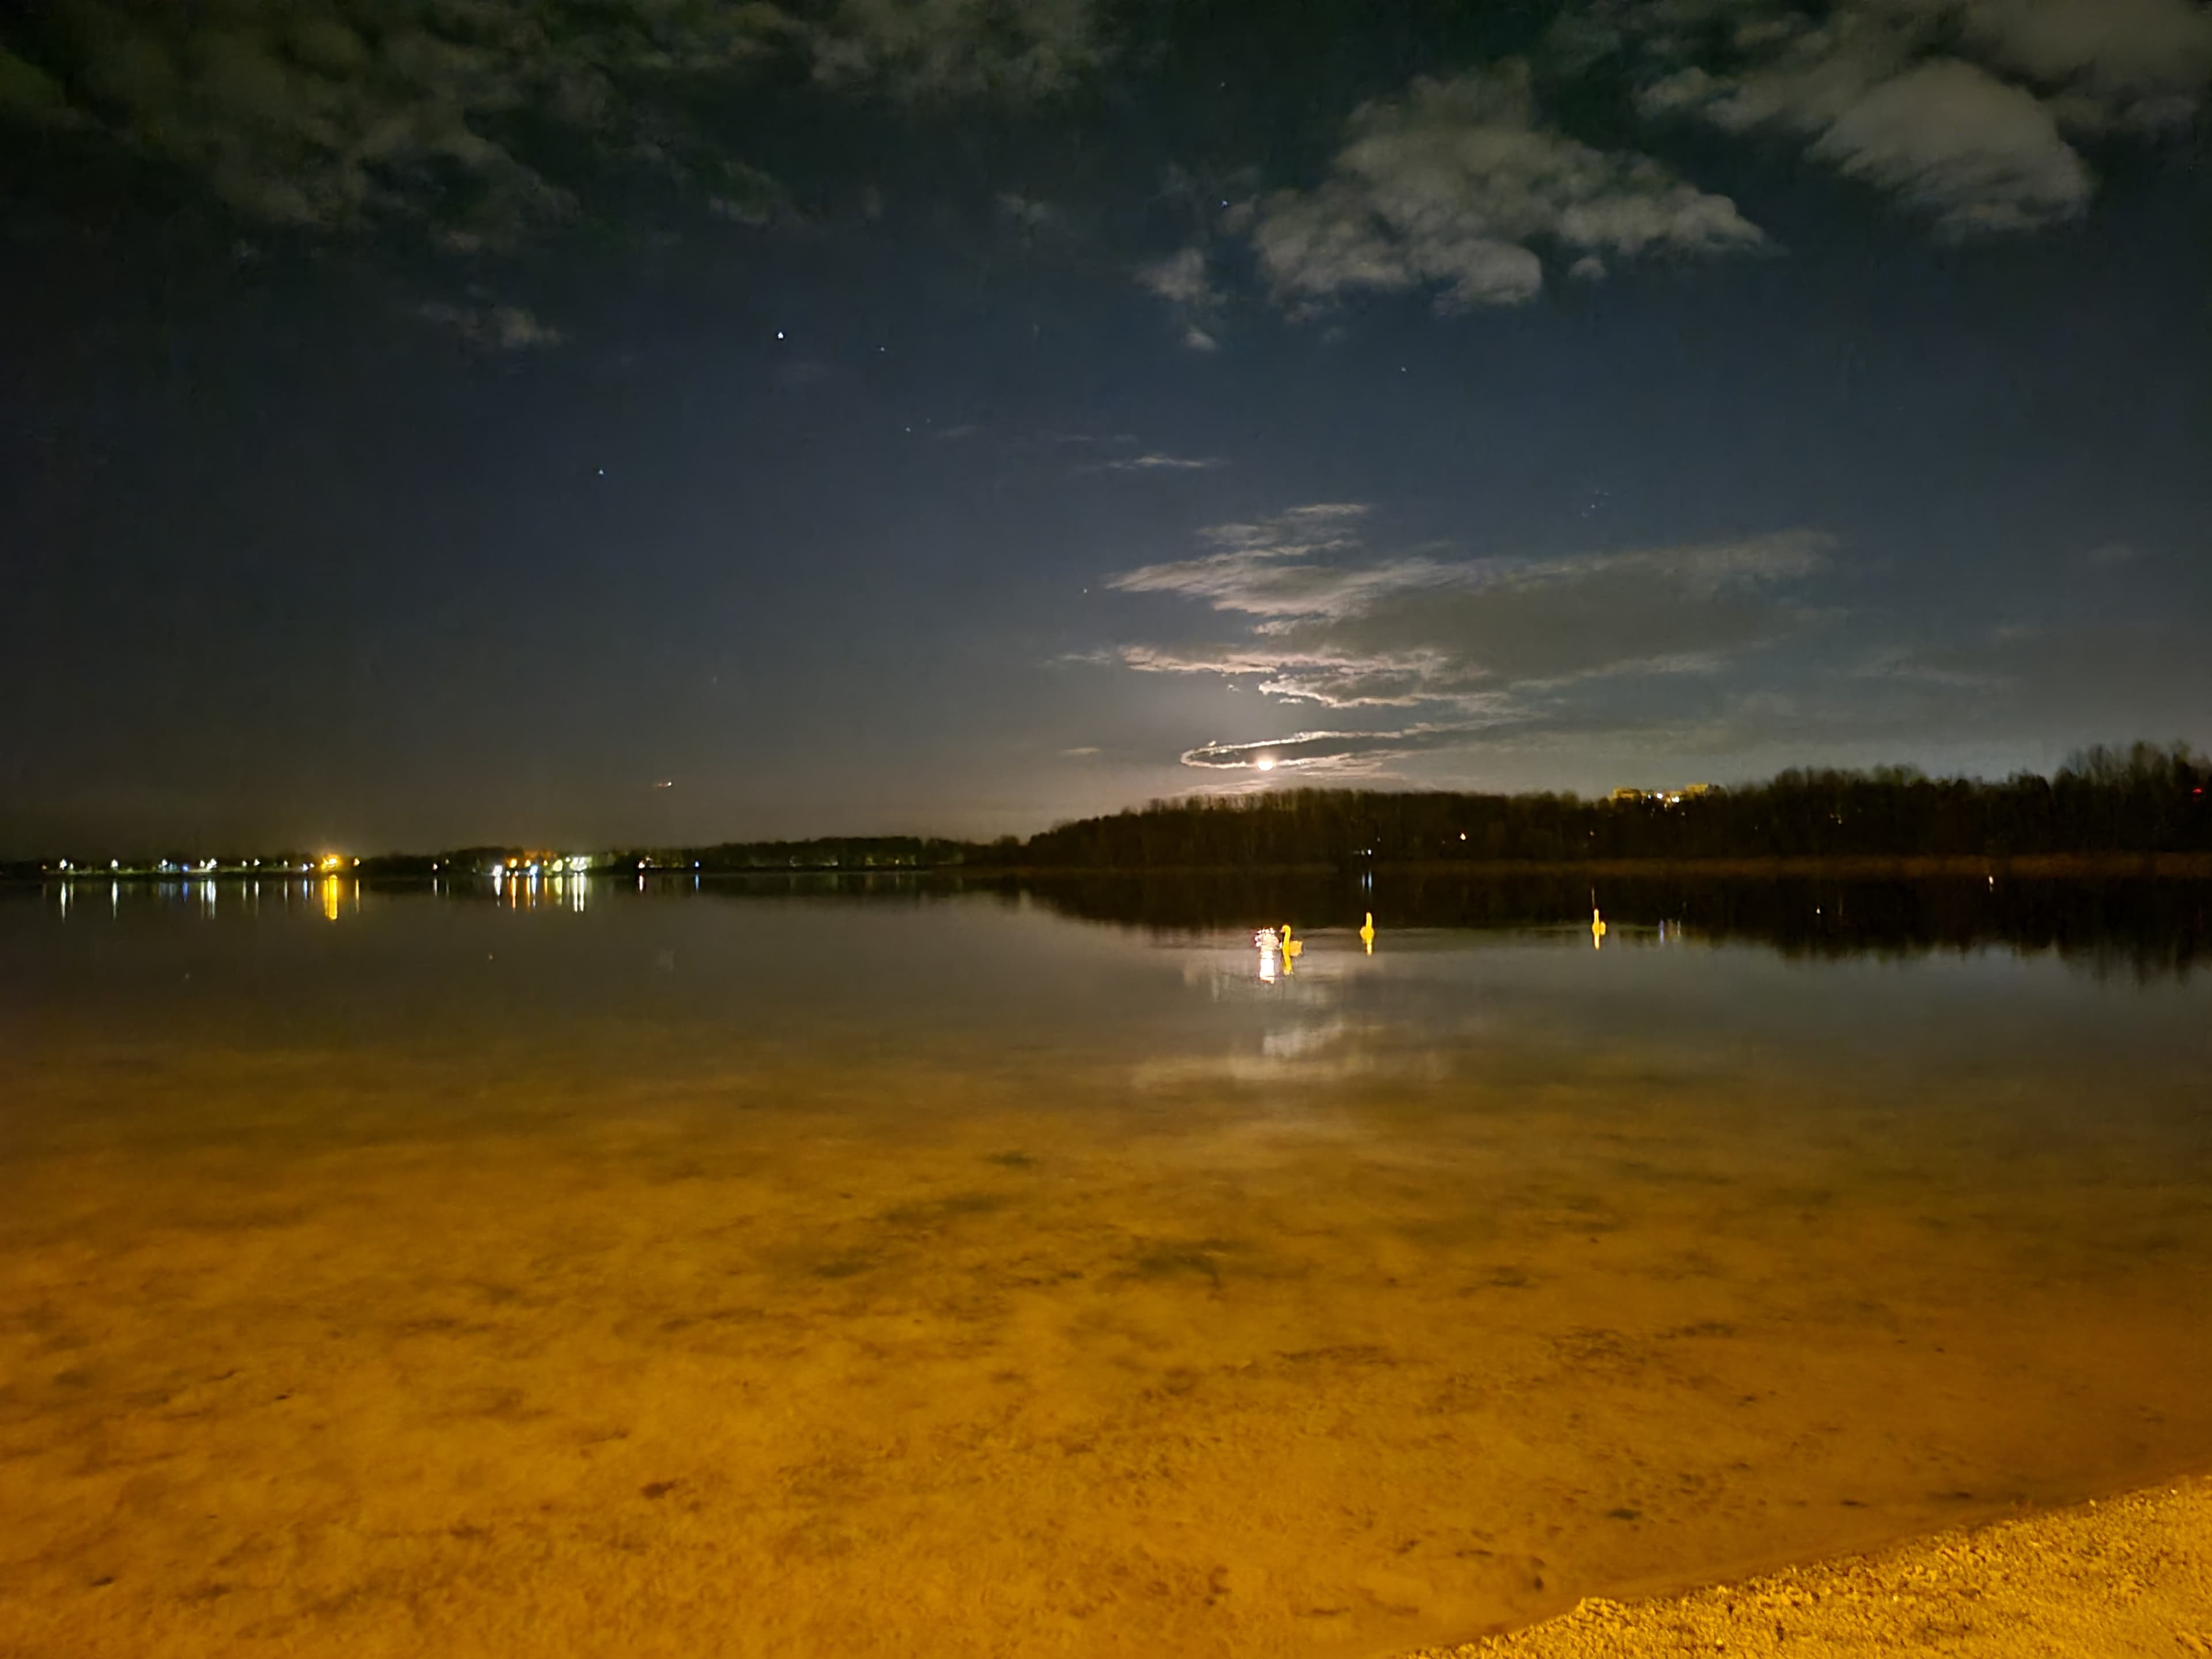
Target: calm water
751, 1272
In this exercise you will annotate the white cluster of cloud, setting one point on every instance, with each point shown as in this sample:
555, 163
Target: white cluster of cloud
1455, 187
1964, 110
1477, 643
1967, 112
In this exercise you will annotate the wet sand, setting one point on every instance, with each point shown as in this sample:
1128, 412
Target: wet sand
2128, 1576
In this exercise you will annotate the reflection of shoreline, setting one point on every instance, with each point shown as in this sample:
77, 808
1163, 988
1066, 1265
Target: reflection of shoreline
2149, 914
2035, 867
2126, 1575
2031, 866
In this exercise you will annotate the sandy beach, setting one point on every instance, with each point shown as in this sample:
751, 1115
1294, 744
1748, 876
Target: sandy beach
2129, 1575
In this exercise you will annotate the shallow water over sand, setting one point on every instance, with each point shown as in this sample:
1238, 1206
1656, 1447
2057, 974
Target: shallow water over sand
657, 1274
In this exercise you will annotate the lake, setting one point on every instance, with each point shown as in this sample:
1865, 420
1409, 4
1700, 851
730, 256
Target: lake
804, 1267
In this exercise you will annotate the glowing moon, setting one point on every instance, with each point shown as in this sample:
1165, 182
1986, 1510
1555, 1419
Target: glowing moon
1266, 763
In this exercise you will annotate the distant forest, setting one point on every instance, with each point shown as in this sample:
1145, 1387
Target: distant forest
2142, 799
2147, 798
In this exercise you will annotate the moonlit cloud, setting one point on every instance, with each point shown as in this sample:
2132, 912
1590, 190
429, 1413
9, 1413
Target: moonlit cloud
1333, 752
1157, 463
1959, 109
1455, 187
1319, 619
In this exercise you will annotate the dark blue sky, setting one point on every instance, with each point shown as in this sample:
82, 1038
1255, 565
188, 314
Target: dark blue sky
435, 423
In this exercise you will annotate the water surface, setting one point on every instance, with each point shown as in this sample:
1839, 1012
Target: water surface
592, 1271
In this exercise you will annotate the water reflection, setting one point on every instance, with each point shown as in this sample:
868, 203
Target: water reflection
500, 1269
2151, 926
1271, 960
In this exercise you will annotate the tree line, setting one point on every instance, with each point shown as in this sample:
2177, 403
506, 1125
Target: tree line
2146, 799
2143, 799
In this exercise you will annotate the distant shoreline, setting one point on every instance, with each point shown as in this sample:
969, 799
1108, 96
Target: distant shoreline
2060, 866
2038, 867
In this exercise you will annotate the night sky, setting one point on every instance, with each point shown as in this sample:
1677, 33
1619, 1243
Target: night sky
628, 420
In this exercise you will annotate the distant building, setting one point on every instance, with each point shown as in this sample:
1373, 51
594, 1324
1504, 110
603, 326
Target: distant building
1663, 797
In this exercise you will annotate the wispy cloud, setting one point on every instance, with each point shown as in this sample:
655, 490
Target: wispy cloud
1157, 463
1312, 615
498, 327
1337, 753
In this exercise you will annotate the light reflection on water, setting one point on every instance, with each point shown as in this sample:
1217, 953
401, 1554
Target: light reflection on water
948, 1276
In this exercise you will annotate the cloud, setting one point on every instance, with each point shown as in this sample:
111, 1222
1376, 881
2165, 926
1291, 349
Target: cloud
1977, 155
1185, 281
2135, 63
2055, 685
500, 327
938, 49
1452, 187
331, 113
30, 95
1548, 643
341, 114
1337, 752
1166, 464
1032, 216
1957, 109
1181, 278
